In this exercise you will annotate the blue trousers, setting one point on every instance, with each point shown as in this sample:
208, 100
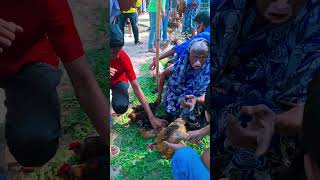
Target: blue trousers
187, 165
152, 34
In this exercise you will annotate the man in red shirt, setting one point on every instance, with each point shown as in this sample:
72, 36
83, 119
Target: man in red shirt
34, 37
121, 71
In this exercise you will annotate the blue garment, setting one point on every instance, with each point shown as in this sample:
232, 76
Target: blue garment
271, 65
143, 6
179, 49
187, 165
114, 11
185, 80
166, 21
189, 14
152, 33
190, 1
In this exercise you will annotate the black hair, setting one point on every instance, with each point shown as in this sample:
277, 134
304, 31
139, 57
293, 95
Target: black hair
311, 121
203, 17
116, 37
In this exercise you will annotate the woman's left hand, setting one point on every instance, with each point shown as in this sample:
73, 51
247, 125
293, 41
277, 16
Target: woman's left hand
190, 103
259, 131
195, 136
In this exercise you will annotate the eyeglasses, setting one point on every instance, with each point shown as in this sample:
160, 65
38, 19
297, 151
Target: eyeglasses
202, 58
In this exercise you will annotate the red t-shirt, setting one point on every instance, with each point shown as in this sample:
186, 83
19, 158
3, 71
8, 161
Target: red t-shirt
124, 69
48, 33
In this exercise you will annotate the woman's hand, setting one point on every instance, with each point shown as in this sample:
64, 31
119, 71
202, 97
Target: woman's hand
175, 146
8, 32
195, 136
112, 72
157, 123
153, 64
190, 103
259, 131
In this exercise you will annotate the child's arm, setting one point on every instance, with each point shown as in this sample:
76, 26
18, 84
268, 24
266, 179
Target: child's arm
155, 122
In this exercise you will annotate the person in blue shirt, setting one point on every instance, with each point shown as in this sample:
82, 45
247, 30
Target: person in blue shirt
202, 21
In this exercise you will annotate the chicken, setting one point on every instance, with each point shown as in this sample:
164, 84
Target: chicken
174, 133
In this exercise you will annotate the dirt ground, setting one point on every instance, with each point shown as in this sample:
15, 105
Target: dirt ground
139, 54
86, 17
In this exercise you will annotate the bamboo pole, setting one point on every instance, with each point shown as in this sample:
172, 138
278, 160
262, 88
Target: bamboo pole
157, 43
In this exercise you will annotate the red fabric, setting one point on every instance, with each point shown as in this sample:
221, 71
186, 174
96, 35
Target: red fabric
124, 69
49, 33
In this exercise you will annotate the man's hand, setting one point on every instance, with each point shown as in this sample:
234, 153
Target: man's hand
174, 146
8, 32
153, 64
189, 103
158, 123
112, 72
259, 131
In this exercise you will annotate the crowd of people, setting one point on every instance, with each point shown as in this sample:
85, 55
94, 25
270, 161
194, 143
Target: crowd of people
253, 89
188, 79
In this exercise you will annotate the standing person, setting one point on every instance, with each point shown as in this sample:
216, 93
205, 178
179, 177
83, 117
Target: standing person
132, 15
114, 12
191, 10
152, 8
121, 71
166, 21
143, 6
34, 37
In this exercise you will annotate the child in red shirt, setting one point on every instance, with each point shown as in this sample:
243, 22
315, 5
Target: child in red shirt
121, 71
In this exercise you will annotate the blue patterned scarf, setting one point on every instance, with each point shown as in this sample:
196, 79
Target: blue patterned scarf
185, 80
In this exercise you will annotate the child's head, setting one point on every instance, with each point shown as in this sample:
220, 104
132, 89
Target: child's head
116, 41
202, 21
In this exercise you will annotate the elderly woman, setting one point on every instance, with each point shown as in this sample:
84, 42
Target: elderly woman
265, 54
188, 79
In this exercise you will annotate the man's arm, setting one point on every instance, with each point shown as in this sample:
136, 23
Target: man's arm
89, 94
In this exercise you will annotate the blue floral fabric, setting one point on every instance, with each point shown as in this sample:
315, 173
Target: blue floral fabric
266, 64
185, 80
189, 14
